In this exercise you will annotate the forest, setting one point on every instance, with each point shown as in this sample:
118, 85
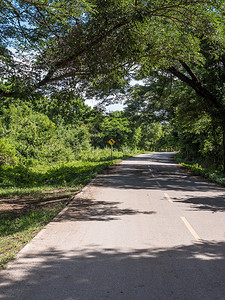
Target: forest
56, 54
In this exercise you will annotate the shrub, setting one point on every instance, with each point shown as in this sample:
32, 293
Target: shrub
76, 138
7, 152
33, 135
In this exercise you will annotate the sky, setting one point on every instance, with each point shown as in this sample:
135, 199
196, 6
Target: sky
117, 106
112, 107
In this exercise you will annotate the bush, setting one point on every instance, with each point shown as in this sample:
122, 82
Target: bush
33, 135
7, 152
76, 138
211, 174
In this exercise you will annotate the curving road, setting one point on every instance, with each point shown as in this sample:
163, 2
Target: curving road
145, 229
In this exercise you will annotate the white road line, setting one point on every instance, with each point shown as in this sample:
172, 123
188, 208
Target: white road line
168, 198
191, 229
152, 174
159, 185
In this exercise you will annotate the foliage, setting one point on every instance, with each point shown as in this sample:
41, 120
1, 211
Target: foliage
199, 133
83, 42
29, 137
212, 175
59, 174
101, 45
64, 107
194, 108
32, 135
115, 126
74, 137
149, 110
33, 21
7, 152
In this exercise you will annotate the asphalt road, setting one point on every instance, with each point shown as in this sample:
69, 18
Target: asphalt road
143, 230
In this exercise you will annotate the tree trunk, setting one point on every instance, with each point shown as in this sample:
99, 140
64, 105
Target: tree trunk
223, 128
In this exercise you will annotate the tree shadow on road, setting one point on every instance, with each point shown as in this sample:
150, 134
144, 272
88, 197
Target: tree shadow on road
141, 176
91, 210
183, 272
214, 204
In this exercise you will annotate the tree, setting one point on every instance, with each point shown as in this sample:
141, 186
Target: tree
202, 70
116, 126
199, 136
208, 83
198, 122
62, 107
85, 43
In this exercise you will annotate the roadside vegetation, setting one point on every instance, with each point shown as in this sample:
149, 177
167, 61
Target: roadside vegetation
211, 174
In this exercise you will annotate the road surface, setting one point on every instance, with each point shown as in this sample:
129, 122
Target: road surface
144, 229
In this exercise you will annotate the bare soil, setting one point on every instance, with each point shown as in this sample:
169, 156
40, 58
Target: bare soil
17, 205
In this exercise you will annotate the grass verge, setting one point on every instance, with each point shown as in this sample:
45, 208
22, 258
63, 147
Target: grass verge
30, 197
16, 230
212, 175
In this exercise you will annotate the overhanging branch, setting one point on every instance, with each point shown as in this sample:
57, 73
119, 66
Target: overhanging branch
198, 87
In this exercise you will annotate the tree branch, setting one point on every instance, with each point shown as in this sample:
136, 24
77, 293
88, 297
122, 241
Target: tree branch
198, 88
63, 63
190, 72
45, 21
60, 77
14, 9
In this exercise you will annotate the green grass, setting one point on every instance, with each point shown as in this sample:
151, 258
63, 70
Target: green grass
15, 180
17, 230
30, 197
212, 175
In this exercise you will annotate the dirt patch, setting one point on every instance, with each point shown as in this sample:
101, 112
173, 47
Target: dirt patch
17, 205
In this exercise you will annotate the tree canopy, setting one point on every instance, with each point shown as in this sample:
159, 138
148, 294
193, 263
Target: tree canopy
99, 43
